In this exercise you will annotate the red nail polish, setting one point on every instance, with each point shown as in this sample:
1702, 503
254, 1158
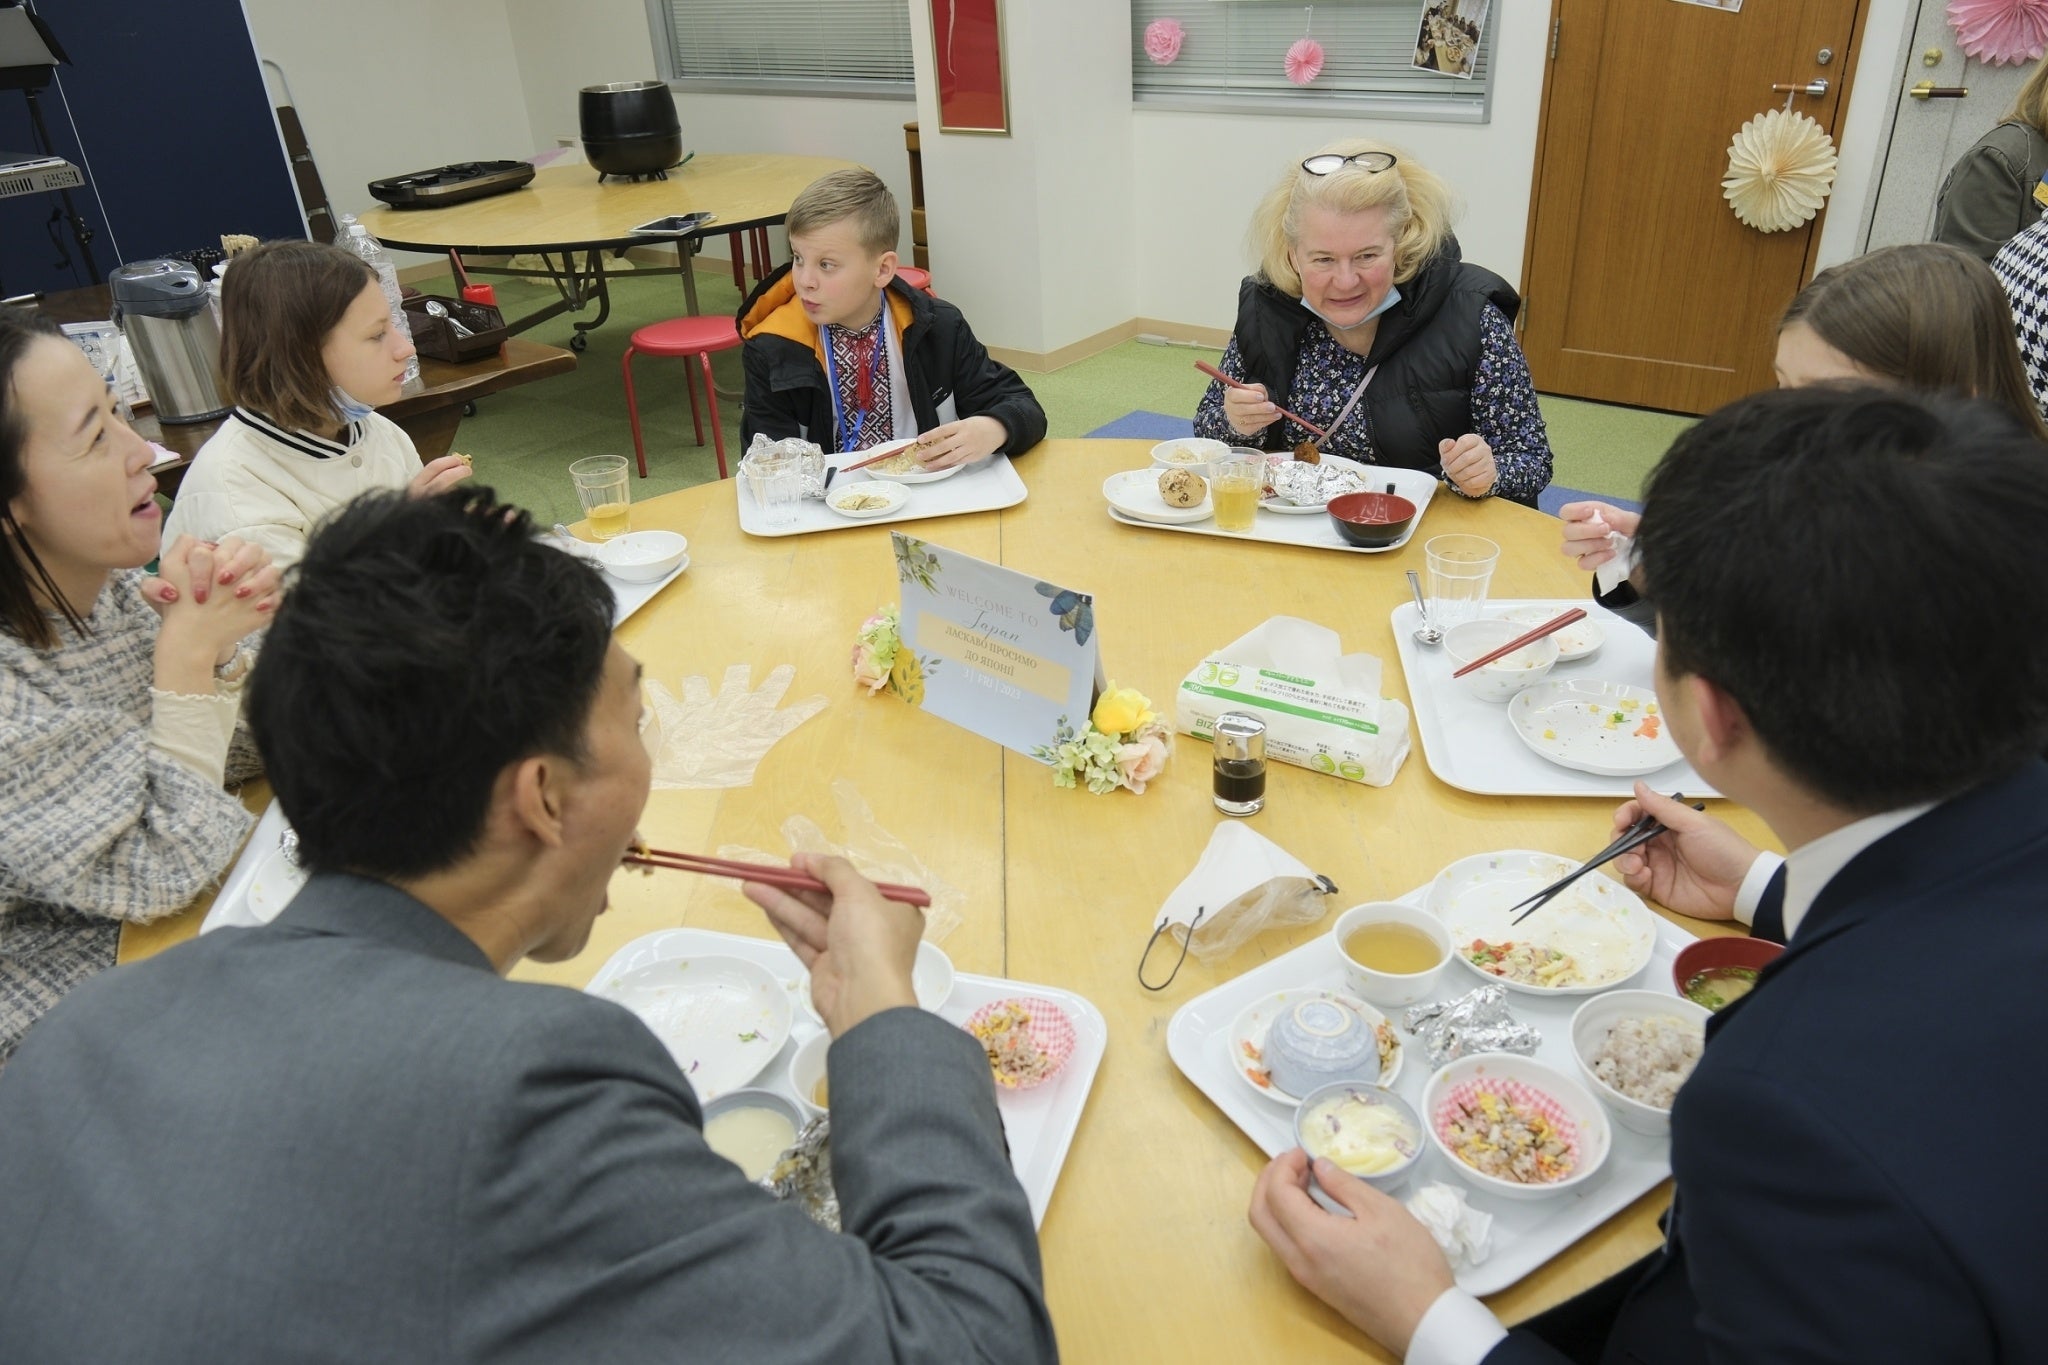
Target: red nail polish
244, 590
266, 606
198, 594
226, 578
170, 594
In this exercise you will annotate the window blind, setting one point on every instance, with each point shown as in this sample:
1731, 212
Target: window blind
1233, 58
845, 47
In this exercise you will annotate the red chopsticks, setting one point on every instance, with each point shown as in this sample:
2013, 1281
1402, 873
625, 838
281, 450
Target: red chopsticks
889, 454
1206, 368
768, 874
1554, 624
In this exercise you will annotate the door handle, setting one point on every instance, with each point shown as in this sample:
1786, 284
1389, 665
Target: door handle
1928, 90
1815, 88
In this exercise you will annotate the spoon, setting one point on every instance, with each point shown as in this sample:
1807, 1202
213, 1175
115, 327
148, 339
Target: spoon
437, 310
1427, 634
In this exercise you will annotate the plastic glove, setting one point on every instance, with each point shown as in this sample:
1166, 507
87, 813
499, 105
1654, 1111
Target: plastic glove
877, 854
719, 741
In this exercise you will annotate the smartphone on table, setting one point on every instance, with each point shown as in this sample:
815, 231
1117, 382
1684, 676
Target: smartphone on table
675, 225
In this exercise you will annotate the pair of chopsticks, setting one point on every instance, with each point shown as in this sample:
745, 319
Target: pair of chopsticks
768, 874
1556, 623
877, 459
1635, 836
1206, 368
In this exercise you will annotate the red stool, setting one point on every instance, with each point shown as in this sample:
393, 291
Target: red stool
916, 278
694, 336
755, 244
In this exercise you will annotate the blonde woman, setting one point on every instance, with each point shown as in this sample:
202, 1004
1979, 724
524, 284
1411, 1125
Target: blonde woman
1988, 197
1363, 319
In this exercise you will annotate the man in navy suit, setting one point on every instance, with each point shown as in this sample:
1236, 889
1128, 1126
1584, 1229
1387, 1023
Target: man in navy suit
1854, 1156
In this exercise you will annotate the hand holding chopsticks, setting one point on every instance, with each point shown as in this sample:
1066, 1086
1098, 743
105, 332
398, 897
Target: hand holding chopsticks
1222, 378
889, 452
1555, 623
1646, 828
767, 874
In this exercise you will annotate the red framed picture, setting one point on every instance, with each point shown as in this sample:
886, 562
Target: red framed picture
967, 52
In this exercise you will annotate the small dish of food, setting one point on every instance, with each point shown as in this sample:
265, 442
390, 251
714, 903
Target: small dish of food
1574, 642
1515, 1127
1502, 679
1371, 520
1716, 972
867, 498
1635, 1049
752, 1129
1138, 494
1027, 1039
1608, 728
1294, 1041
1197, 453
807, 1074
1367, 1131
1597, 933
644, 556
904, 466
1302, 488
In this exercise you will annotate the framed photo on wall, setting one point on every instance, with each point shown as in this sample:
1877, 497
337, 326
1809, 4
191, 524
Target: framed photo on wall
967, 52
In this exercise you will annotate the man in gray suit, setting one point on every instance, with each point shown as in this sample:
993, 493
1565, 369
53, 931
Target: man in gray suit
345, 1137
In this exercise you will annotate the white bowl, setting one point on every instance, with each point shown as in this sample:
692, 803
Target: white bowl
807, 1068
643, 556
1590, 1027
893, 496
1391, 988
1501, 679
1571, 1100
1576, 641
931, 977
1381, 1180
1189, 452
755, 1099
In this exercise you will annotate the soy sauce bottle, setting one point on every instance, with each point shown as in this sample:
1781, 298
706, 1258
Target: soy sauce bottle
1240, 775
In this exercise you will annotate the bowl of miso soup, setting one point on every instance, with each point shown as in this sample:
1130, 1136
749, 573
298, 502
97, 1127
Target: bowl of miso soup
1393, 953
1716, 972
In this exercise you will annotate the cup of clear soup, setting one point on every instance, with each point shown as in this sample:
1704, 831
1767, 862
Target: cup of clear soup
1393, 953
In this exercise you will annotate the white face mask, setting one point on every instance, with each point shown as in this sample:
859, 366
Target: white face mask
1393, 297
349, 408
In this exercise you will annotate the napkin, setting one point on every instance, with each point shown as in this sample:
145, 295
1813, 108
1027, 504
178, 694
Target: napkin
1464, 1233
1243, 883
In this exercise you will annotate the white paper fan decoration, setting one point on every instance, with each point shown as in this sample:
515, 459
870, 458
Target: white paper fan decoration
1780, 169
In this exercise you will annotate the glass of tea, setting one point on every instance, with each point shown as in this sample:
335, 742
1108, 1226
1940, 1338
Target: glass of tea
605, 492
1393, 953
1235, 487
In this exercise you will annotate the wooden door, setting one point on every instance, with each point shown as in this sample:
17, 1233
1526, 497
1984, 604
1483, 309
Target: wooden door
1643, 287
1928, 135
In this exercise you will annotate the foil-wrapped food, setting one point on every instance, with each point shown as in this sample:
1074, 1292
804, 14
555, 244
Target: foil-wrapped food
1312, 485
803, 1175
1478, 1021
766, 458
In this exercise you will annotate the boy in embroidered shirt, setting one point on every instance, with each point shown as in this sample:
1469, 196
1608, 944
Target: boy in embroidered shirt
842, 353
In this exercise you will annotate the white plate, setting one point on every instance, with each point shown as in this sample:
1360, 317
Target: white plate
1247, 1038
931, 977
876, 472
1313, 532
1135, 493
232, 906
722, 1018
1591, 726
1471, 744
1526, 1234
895, 493
277, 880
1293, 509
1596, 917
1364, 471
1039, 1123
1575, 641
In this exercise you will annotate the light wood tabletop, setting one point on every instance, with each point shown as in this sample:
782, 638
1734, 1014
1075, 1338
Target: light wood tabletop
566, 206
1147, 1252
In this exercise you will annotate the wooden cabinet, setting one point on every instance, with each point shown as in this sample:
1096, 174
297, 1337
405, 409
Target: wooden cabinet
920, 253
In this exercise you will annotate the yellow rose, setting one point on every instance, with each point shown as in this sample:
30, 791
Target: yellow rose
1121, 710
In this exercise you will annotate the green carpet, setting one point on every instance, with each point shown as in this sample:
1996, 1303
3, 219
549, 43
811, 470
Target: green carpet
524, 439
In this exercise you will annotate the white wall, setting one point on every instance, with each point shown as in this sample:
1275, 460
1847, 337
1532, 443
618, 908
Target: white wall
1864, 131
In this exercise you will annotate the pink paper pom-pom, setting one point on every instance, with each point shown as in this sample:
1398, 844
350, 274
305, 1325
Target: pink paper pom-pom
2001, 32
1163, 39
1304, 61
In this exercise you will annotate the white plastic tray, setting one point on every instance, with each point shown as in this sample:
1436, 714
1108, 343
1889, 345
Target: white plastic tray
1472, 745
1316, 532
992, 486
1526, 1233
231, 906
1039, 1122
630, 597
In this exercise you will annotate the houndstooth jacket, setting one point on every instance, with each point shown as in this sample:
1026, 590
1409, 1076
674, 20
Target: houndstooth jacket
2022, 267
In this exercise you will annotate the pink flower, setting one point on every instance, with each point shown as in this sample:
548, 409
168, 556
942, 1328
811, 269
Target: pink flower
868, 669
1304, 61
2000, 32
1139, 763
1163, 39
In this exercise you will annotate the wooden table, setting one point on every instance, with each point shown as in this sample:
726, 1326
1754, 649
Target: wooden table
566, 211
1148, 1255
429, 410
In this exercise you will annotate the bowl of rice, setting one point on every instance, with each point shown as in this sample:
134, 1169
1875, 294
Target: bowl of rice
1635, 1049
1515, 1127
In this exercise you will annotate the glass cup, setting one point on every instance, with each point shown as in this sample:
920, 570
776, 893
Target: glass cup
605, 492
776, 483
1459, 571
1235, 486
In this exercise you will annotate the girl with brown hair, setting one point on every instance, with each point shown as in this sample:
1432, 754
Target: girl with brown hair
308, 354
119, 692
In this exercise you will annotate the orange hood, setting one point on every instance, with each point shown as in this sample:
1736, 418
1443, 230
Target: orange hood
777, 312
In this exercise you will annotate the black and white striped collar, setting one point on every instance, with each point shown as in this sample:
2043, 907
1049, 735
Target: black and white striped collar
305, 442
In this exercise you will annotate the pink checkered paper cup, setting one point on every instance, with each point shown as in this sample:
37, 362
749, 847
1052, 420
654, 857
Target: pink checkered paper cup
1050, 1032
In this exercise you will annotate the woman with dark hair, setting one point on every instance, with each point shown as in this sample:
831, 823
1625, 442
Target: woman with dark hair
119, 692
308, 353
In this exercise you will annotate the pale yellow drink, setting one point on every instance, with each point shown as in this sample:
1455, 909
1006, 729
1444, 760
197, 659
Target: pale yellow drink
1234, 490
609, 519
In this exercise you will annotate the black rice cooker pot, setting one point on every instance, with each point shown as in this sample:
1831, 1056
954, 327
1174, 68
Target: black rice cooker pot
630, 127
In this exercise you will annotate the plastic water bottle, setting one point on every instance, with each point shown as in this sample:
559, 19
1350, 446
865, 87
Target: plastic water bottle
359, 240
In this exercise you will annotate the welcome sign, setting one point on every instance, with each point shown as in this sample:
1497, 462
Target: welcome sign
998, 652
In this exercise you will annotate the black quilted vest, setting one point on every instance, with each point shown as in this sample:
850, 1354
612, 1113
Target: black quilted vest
1427, 350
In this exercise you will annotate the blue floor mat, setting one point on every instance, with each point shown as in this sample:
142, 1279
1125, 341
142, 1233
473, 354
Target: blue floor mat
1147, 426
1557, 495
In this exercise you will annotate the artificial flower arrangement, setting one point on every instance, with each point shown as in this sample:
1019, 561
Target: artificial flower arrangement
1125, 743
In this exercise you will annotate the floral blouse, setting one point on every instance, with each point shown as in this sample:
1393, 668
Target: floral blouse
1504, 411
